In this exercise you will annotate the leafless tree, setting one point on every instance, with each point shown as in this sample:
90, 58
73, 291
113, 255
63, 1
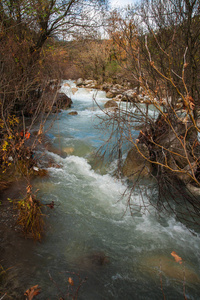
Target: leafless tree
165, 56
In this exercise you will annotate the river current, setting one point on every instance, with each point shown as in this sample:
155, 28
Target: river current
91, 233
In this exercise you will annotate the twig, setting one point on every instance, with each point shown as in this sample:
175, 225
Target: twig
3, 296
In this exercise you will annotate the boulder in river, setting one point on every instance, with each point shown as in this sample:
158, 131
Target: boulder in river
73, 113
79, 82
136, 164
74, 90
62, 101
111, 104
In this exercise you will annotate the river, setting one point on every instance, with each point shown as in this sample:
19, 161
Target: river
91, 233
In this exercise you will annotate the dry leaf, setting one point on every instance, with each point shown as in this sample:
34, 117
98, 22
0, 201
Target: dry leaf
196, 144
33, 291
177, 258
28, 189
191, 102
40, 131
70, 280
30, 199
27, 135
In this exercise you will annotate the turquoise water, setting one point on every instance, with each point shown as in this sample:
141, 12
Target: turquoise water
92, 233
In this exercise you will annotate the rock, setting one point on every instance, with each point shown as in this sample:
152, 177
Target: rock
73, 113
54, 165
89, 81
74, 90
52, 85
170, 268
62, 101
68, 150
131, 96
106, 87
136, 164
193, 189
79, 82
94, 260
186, 172
99, 258
118, 86
110, 94
179, 105
90, 84
35, 168
119, 97
168, 139
111, 104
40, 172
54, 110
170, 145
147, 100
114, 91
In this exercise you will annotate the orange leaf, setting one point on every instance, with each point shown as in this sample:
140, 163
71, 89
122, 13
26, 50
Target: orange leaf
27, 135
33, 291
177, 258
191, 103
70, 280
28, 189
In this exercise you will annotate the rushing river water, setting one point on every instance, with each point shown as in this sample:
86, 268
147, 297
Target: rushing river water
90, 231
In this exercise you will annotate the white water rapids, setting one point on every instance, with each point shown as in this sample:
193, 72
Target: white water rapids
90, 231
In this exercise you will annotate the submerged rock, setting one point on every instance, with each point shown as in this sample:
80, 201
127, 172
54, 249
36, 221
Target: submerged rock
93, 260
68, 150
170, 268
98, 259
